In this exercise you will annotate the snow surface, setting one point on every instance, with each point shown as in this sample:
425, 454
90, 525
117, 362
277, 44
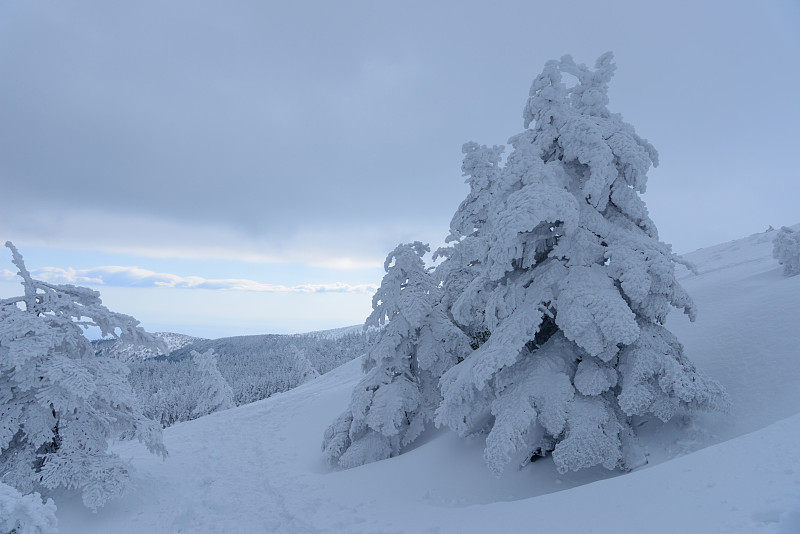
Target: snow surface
259, 468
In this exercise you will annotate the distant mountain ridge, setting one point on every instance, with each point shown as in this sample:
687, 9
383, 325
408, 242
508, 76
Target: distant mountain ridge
180, 345
325, 350
120, 350
335, 333
254, 367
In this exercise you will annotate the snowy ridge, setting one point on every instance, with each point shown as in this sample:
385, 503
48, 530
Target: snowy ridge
325, 352
756, 248
336, 333
117, 349
258, 468
174, 342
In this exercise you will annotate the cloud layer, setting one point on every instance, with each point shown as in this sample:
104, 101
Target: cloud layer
279, 122
124, 276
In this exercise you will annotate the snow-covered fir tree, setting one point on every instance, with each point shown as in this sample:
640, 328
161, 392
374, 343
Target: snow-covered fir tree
417, 342
59, 403
302, 367
26, 514
557, 279
786, 249
557, 266
214, 393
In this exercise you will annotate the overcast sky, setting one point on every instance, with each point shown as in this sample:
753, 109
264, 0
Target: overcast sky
219, 168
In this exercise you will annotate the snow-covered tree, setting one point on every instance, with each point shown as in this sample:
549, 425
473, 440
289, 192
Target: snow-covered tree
59, 403
557, 273
213, 392
26, 514
302, 367
786, 249
417, 342
463, 265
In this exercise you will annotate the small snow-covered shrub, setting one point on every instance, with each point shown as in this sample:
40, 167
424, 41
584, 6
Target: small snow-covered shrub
59, 403
26, 514
786, 249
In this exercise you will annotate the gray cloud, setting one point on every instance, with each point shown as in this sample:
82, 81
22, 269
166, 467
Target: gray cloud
335, 128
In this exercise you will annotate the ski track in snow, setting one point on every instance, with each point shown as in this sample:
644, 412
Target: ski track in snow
258, 468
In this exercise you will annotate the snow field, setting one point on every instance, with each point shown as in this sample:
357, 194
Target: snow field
259, 468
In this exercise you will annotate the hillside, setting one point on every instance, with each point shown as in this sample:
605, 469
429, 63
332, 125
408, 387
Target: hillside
254, 367
258, 468
115, 348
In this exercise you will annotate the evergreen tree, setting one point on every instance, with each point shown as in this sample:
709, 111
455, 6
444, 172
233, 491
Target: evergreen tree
213, 392
557, 272
786, 249
59, 403
302, 368
417, 342
26, 514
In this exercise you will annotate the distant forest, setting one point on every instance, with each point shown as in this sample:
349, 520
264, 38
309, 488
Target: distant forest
255, 367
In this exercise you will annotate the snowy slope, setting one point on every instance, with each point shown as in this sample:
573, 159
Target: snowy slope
258, 468
747, 334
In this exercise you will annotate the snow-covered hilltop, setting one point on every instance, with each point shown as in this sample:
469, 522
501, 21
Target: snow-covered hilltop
336, 333
755, 248
126, 352
174, 342
259, 468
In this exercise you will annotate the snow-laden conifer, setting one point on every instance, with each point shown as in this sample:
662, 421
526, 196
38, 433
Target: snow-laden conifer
59, 403
558, 267
302, 368
416, 344
26, 514
213, 392
786, 249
